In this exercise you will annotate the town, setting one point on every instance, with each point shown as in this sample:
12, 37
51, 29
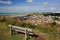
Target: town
40, 19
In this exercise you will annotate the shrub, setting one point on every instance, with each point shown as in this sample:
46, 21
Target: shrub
53, 24
28, 25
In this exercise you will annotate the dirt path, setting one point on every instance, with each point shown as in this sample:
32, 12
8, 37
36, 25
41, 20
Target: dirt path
40, 38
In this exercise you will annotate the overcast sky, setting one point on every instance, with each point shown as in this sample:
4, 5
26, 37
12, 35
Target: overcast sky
21, 6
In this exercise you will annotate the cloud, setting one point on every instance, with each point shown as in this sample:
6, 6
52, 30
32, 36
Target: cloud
5, 2
53, 8
45, 3
19, 9
14, 8
29, 0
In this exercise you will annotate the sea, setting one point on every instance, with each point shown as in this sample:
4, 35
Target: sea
13, 14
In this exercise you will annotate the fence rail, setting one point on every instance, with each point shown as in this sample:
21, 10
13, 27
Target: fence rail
26, 31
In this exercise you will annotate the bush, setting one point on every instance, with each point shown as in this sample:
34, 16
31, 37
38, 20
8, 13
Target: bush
53, 24
31, 26
28, 25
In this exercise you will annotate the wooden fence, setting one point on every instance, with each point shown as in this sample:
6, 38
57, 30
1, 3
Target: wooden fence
26, 31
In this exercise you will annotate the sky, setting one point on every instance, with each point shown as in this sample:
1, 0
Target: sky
24, 6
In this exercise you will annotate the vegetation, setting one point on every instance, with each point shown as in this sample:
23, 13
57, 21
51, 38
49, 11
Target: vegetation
46, 32
53, 24
52, 14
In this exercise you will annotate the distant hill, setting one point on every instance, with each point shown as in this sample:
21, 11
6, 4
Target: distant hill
52, 14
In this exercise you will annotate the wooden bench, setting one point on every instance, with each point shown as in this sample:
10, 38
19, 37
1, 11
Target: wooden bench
25, 31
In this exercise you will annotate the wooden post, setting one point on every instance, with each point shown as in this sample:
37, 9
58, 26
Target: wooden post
11, 31
25, 34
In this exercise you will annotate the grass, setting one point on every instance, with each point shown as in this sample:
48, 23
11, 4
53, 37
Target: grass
49, 33
4, 31
5, 35
18, 37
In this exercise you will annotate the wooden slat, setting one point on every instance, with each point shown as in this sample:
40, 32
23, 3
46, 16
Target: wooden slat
21, 29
